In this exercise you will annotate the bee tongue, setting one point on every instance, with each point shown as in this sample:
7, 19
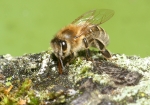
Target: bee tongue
60, 65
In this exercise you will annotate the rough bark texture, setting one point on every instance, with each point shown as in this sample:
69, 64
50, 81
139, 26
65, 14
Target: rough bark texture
33, 79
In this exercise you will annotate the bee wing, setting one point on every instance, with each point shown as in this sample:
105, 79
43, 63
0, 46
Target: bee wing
96, 17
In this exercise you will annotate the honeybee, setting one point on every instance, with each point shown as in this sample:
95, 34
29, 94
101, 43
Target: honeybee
82, 33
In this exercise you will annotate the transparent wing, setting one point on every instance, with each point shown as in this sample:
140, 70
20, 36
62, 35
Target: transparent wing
96, 17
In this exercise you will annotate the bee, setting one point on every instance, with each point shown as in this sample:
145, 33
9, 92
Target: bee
82, 33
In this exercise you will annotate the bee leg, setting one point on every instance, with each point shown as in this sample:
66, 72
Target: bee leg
102, 48
71, 57
87, 49
106, 53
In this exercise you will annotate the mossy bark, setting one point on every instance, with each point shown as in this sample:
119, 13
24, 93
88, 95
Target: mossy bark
34, 79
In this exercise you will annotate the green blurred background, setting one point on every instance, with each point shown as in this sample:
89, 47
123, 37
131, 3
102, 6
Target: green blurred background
27, 26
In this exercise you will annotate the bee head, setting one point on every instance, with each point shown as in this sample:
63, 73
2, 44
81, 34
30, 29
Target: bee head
60, 47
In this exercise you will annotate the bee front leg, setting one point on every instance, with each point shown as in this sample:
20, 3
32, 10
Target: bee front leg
69, 58
102, 48
72, 57
87, 48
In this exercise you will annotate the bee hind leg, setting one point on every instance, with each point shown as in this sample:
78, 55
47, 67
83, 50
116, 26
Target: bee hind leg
102, 48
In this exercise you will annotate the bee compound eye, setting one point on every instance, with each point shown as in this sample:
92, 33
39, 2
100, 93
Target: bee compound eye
64, 45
